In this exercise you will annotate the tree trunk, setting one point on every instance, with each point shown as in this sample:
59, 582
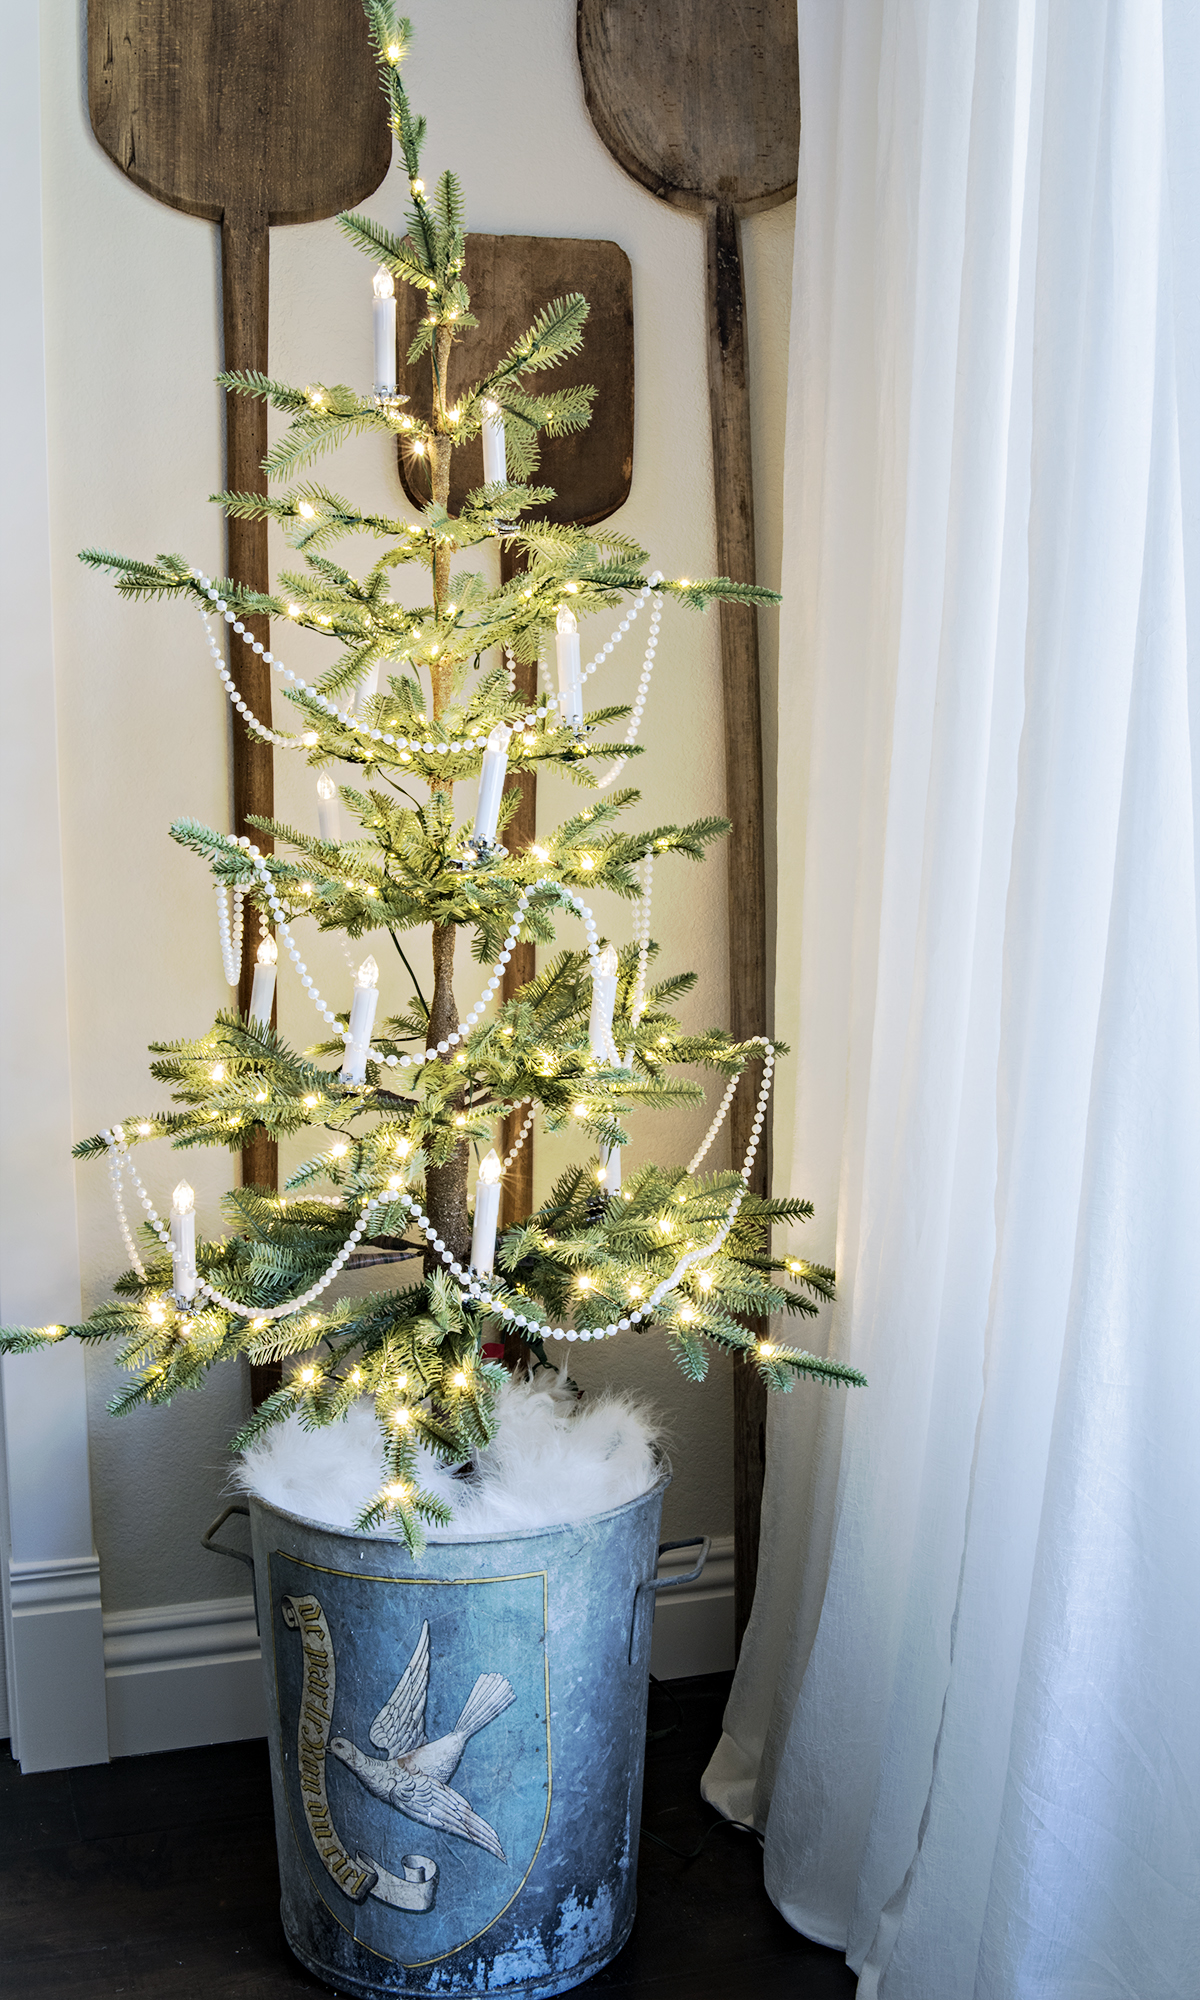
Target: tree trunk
446, 1186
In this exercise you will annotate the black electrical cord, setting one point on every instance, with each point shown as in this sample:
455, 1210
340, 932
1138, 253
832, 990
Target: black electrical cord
690, 1853
656, 1735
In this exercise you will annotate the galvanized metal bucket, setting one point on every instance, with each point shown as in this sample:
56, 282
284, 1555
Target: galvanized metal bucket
457, 1745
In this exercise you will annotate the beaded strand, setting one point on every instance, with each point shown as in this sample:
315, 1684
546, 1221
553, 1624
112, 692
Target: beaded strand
471, 1284
639, 705
231, 931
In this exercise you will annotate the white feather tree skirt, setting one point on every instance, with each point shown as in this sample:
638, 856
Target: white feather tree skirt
554, 1458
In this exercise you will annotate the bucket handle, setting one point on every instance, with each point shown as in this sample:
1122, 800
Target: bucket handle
657, 1583
223, 1548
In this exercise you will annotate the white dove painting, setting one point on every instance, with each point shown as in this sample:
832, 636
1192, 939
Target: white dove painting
413, 1775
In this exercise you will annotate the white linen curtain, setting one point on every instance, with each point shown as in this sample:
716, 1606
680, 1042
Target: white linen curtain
967, 1713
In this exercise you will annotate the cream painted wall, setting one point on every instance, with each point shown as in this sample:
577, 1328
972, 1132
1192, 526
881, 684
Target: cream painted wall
134, 438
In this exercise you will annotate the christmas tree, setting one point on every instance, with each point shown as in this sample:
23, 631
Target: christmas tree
421, 701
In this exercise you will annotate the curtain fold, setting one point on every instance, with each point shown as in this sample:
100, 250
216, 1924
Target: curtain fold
965, 1715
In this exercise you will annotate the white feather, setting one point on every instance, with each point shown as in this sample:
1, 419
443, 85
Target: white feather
553, 1459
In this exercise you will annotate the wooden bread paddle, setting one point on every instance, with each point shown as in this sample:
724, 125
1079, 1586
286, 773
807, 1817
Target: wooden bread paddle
509, 279
249, 113
700, 103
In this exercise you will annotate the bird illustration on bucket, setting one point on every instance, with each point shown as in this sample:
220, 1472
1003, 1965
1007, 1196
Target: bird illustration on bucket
388, 1746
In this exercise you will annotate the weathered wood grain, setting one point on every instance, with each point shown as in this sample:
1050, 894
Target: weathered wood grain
697, 100
510, 278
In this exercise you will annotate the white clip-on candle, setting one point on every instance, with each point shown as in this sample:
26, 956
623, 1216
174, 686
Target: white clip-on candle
495, 459
262, 993
570, 683
605, 969
362, 1020
183, 1242
328, 818
368, 686
385, 333
491, 787
487, 1213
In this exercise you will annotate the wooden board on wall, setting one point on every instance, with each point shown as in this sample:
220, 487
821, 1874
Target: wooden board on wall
510, 278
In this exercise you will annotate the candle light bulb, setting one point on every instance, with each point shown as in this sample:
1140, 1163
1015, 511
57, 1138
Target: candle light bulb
362, 1020
491, 785
487, 1213
605, 968
570, 680
328, 816
183, 1241
495, 457
384, 328
262, 993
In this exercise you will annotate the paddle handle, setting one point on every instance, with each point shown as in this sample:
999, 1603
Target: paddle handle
729, 405
245, 270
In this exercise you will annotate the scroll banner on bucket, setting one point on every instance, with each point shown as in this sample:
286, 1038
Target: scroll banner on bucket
418, 1708
359, 1878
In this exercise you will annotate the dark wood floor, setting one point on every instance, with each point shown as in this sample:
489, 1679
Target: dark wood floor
154, 1878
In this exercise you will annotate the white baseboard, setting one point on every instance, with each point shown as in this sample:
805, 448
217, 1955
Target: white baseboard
693, 1626
179, 1675
54, 1682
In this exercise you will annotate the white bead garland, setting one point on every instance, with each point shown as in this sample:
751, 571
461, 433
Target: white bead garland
118, 1157
345, 717
470, 1284
358, 725
524, 1132
615, 637
231, 932
639, 705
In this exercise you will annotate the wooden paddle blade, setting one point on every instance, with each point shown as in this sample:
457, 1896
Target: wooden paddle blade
510, 278
697, 100
267, 106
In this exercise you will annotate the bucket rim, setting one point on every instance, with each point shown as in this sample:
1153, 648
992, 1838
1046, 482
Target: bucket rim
660, 1484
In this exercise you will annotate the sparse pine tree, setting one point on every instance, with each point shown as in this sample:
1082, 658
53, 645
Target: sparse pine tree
387, 1179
